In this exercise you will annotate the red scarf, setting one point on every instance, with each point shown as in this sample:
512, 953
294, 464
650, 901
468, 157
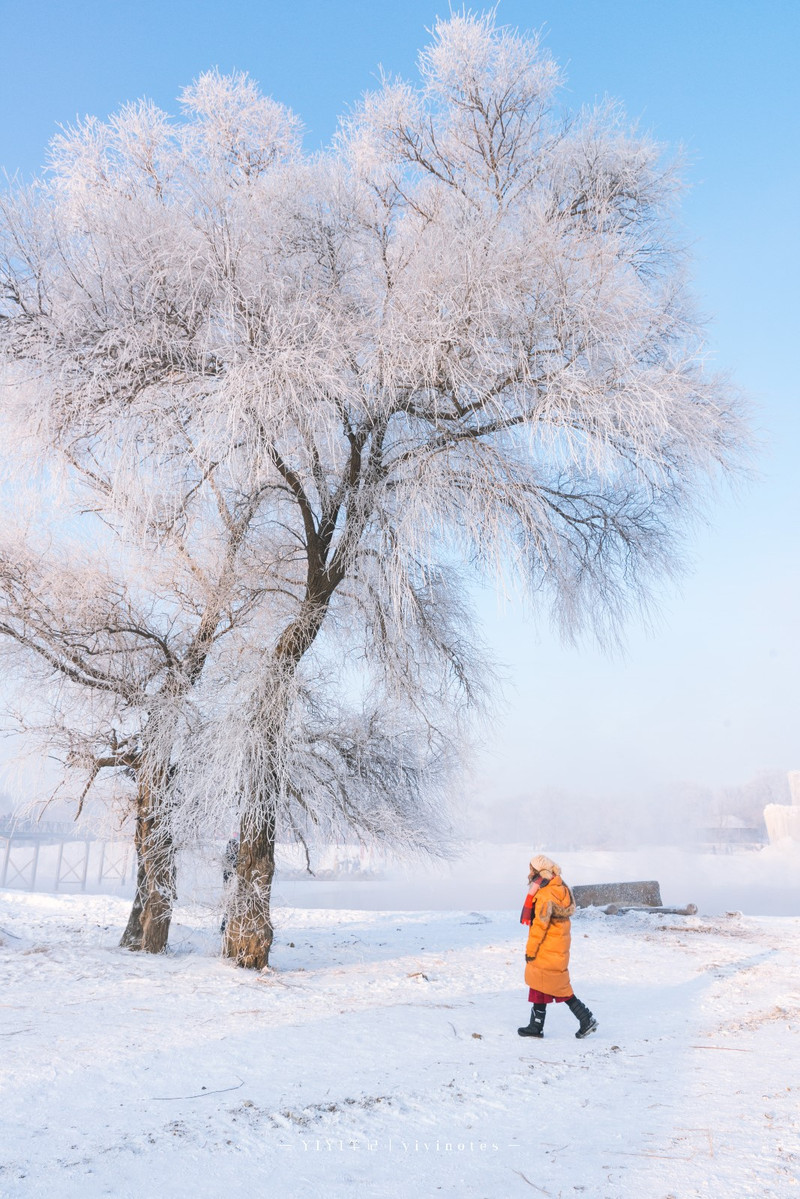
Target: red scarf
527, 907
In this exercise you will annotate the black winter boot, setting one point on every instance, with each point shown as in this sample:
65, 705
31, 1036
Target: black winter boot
584, 1016
534, 1029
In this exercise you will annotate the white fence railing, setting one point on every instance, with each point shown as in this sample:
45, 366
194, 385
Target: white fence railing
57, 858
45, 862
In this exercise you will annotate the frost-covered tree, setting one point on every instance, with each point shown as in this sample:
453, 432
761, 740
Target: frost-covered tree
459, 341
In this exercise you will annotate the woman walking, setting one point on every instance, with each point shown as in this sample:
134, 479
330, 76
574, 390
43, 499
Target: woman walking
548, 907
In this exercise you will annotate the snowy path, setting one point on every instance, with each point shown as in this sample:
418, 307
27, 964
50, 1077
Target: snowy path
380, 1055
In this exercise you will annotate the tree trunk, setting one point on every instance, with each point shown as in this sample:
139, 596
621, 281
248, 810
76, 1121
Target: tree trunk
248, 923
148, 924
132, 937
248, 931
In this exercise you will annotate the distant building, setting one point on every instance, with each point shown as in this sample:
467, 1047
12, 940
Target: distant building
731, 830
783, 820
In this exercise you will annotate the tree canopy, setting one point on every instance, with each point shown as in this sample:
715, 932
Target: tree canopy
299, 398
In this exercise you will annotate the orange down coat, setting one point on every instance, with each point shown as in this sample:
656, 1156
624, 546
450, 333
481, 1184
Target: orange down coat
547, 950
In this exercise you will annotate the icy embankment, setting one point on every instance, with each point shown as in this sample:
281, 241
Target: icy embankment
759, 882
380, 1056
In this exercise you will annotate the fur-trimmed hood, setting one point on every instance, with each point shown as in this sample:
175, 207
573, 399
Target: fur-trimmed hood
555, 900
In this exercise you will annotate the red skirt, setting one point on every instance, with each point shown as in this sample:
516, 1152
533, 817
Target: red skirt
540, 997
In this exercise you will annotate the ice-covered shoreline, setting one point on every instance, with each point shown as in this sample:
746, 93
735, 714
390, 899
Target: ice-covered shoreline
757, 882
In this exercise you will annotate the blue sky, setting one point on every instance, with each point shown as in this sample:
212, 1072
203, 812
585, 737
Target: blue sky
712, 692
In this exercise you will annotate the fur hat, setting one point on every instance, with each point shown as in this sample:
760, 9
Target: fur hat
544, 866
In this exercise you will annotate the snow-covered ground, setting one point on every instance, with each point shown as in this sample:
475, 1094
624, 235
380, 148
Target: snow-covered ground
379, 1056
